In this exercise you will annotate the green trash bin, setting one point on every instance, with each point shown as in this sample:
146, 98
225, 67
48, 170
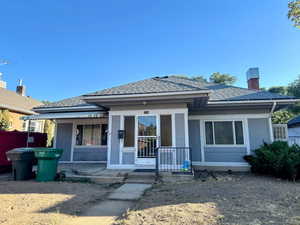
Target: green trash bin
22, 162
47, 163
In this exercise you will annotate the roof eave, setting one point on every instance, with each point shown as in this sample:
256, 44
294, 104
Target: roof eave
262, 101
90, 97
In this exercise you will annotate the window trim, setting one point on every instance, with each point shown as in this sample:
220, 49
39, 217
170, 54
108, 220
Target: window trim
233, 130
88, 146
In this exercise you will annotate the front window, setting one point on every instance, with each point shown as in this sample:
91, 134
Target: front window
224, 133
91, 135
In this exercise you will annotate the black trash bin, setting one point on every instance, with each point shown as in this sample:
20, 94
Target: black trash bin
22, 162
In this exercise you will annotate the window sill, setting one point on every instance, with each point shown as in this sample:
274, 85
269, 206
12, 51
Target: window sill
230, 146
90, 146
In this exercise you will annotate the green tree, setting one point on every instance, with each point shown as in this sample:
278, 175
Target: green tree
278, 89
222, 78
294, 12
282, 116
4, 120
293, 89
197, 78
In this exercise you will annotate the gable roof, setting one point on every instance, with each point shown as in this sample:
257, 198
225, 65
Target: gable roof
173, 84
12, 101
219, 92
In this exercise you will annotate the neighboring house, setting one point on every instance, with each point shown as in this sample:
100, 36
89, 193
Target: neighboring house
294, 130
123, 125
19, 105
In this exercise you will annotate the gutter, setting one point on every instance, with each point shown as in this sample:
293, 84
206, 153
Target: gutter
254, 101
86, 97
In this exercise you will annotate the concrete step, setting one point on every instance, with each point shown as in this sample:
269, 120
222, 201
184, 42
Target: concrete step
95, 179
139, 175
140, 181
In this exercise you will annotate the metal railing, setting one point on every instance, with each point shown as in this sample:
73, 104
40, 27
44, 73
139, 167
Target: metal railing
146, 147
173, 159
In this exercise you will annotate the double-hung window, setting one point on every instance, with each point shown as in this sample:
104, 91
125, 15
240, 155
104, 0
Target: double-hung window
91, 135
224, 133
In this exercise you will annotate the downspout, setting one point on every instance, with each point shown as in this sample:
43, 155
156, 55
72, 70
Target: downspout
270, 121
273, 108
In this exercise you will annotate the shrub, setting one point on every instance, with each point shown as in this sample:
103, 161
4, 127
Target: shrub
277, 159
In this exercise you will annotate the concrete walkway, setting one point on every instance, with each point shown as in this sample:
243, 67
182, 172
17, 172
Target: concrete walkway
129, 192
119, 201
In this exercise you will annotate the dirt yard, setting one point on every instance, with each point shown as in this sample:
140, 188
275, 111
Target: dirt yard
230, 200
52, 203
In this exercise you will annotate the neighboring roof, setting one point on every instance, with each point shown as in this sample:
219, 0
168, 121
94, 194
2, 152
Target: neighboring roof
15, 102
294, 121
168, 84
68, 102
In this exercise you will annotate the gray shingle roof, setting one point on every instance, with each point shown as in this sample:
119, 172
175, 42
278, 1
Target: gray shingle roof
220, 92
68, 102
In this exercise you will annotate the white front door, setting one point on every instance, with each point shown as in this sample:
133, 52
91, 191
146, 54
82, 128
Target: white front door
146, 139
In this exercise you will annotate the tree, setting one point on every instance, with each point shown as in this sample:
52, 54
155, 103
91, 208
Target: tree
293, 88
197, 78
222, 78
4, 120
294, 12
281, 117
278, 89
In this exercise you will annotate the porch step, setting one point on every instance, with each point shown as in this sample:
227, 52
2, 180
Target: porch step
95, 179
140, 181
139, 175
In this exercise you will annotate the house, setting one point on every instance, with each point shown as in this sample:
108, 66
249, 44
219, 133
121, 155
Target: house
123, 125
294, 130
19, 105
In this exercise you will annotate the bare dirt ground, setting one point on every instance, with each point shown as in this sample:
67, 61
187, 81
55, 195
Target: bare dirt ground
51, 203
231, 200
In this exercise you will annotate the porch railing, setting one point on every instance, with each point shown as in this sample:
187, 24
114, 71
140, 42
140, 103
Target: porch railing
173, 159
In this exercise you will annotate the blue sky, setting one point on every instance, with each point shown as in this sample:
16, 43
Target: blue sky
64, 48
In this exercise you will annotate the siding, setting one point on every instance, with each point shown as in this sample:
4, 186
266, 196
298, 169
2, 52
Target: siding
224, 154
259, 132
195, 139
115, 142
64, 139
90, 154
128, 158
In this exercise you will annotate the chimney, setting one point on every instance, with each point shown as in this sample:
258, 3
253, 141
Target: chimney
2, 82
253, 78
21, 89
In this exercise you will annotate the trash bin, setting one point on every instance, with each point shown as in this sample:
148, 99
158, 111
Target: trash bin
47, 163
22, 162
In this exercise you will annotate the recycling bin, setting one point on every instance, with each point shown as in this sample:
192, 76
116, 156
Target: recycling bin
47, 163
